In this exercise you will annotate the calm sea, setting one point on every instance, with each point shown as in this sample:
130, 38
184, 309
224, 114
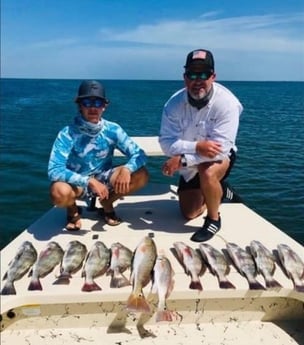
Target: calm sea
268, 174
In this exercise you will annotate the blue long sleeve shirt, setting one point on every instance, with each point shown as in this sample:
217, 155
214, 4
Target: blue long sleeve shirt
75, 156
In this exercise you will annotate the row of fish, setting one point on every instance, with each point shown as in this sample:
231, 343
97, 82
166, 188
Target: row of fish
146, 265
257, 259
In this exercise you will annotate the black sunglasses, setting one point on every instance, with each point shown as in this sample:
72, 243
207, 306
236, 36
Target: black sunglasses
92, 103
198, 75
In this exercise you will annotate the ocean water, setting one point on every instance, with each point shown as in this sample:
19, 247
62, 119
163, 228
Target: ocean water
268, 174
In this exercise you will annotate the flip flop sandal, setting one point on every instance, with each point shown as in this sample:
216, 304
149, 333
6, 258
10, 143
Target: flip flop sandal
110, 218
73, 220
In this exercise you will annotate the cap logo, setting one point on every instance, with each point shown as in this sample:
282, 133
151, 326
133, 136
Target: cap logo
199, 54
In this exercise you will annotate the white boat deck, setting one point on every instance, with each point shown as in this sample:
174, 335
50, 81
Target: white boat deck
63, 314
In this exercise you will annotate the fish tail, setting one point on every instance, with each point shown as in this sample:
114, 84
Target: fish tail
119, 281
63, 279
88, 287
163, 315
226, 284
35, 285
272, 284
8, 289
195, 285
255, 285
137, 302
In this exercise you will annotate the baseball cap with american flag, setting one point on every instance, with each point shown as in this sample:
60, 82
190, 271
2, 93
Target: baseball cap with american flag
201, 57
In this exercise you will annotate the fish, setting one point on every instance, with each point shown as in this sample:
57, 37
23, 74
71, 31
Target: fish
72, 261
121, 258
293, 266
217, 264
191, 262
96, 264
48, 259
265, 263
143, 261
244, 263
163, 284
24, 259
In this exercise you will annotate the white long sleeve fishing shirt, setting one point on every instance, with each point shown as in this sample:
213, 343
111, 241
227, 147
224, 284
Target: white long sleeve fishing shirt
183, 125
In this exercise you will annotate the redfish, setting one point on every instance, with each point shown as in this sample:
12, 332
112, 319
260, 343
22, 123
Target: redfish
141, 272
163, 284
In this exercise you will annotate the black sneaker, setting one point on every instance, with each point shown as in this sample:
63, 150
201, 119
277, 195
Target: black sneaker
208, 230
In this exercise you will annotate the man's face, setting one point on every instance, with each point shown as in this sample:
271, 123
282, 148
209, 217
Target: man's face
198, 81
92, 108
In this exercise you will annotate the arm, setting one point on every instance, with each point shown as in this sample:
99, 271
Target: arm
57, 166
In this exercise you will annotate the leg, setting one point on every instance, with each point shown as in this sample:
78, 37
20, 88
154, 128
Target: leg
138, 180
191, 200
210, 176
64, 195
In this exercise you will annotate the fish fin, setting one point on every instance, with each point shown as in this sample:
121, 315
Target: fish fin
88, 287
195, 285
255, 285
163, 315
63, 279
299, 288
272, 284
138, 303
4, 276
119, 281
226, 284
35, 284
8, 289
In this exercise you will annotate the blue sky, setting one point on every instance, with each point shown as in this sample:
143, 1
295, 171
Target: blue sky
138, 39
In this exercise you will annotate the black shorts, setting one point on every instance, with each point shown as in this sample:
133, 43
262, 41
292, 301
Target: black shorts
194, 183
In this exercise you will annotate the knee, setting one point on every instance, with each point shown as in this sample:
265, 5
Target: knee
61, 193
141, 177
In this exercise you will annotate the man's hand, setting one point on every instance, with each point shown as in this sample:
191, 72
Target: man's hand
99, 188
121, 179
208, 148
171, 166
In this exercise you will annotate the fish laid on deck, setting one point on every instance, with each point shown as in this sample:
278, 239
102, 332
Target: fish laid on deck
245, 264
121, 258
96, 264
191, 262
293, 266
265, 263
163, 284
71, 262
47, 260
217, 264
24, 259
141, 273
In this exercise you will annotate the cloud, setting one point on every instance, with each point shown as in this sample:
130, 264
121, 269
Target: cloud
245, 48
247, 33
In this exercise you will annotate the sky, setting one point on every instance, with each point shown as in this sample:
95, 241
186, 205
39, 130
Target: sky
138, 39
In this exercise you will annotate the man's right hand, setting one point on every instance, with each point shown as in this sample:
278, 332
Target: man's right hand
99, 188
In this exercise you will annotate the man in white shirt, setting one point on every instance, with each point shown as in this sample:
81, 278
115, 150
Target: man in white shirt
198, 132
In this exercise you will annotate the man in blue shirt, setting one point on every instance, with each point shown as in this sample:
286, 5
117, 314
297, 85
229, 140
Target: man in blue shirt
81, 160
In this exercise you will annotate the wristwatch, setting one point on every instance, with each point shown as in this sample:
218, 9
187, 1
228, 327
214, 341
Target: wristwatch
183, 160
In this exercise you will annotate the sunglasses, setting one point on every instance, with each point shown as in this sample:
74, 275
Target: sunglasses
198, 75
92, 103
